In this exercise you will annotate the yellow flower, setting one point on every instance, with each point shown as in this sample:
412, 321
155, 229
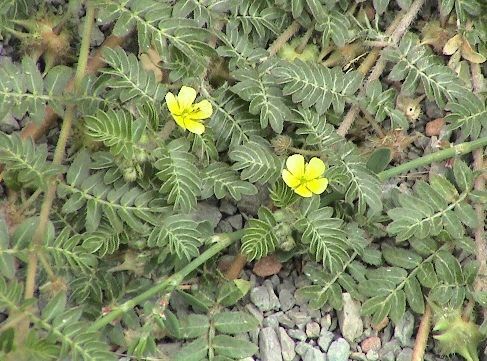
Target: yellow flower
305, 179
186, 114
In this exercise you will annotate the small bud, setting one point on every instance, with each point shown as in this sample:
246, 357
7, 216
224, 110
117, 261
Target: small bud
281, 144
130, 174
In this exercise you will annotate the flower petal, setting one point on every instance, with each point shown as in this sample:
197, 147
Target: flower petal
303, 191
194, 126
295, 164
314, 169
202, 110
317, 186
172, 103
289, 179
186, 97
180, 120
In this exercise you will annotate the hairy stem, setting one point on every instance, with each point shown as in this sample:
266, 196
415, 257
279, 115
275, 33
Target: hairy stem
221, 241
398, 32
308, 152
236, 267
459, 149
37, 238
284, 37
422, 335
305, 39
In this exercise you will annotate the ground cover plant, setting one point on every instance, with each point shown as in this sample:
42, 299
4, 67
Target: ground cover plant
120, 118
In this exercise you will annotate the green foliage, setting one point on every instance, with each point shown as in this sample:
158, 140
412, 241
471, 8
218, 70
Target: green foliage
469, 115
25, 161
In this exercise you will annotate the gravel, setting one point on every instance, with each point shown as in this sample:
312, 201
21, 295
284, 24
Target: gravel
269, 346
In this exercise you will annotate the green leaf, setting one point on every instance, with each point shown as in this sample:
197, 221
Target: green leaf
193, 326
232, 291
55, 306
232, 347
223, 181
234, 322
469, 114
401, 257
7, 260
118, 131
315, 85
463, 175
179, 234
256, 162
414, 295
194, 351
334, 25
259, 237
258, 87
381, 6
181, 178
379, 160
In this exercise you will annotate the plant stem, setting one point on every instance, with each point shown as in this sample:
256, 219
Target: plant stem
459, 149
57, 159
12, 321
422, 335
309, 152
397, 33
284, 37
305, 39
236, 267
222, 241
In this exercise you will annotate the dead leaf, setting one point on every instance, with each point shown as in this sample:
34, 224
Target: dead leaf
471, 55
452, 45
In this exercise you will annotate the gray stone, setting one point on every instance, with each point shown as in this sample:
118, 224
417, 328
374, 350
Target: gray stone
404, 329
388, 356
269, 347
236, 221
325, 339
251, 204
286, 321
372, 355
272, 320
405, 355
392, 346
275, 280
224, 227
314, 355
226, 207
325, 322
286, 283
254, 312
359, 356
312, 329
274, 301
287, 345
297, 334
351, 325
286, 299
302, 347
299, 318
260, 297
206, 212
339, 350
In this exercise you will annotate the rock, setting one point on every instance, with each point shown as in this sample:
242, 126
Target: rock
372, 355
339, 350
297, 334
404, 329
299, 318
251, 204
371, 343
269, 347
272, 320
432, 110
287, 345
275, 280
274, 301
226, 207
267, 266
433, 127
359, 356
302, 347
351, 325
405, 355
314, 355
389, 356
224, 227
206, 212
325, 322
260, 297
286, 299
236, 221
286, 321
325, 339
312, 329
254, 312
392, 347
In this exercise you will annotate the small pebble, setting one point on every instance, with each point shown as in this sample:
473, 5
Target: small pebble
325, 339
286, 321
313, 355
312, 329
297, 334
405, 355
236, 221
302, 347
227, 207
287, 345
299, 318
404, 329
267, 266
372, 355
349, 318
260, 297
339, 350
286, 299
269, 346
371, 343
